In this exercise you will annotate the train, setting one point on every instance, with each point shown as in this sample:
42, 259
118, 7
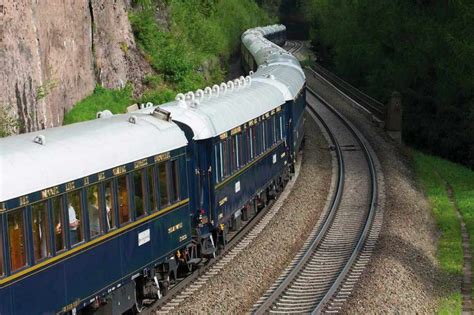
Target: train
101, 216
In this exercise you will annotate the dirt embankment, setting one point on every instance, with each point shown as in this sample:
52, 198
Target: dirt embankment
53, 53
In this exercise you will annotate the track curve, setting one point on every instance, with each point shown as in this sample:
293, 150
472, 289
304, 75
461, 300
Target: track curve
322, 268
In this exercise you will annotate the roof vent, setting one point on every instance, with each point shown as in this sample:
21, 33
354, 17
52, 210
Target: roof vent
271, 76
161, 114
223, 88
216, 90
133, 119
104, 114
230, 85
132, 108
208, 92
40, 139
199, 94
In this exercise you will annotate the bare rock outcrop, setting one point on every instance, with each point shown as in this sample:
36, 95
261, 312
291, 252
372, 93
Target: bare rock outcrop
53, 53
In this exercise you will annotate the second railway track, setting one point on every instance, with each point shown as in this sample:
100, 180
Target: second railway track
322, 275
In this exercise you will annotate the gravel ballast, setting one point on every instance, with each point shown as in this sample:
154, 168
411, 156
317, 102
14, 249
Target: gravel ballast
250, 273
403, 275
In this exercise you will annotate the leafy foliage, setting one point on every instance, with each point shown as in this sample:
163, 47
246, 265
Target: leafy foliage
187, 55
424, 49
114, 100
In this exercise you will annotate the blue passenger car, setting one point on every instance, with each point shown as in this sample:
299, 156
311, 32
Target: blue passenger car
83, 219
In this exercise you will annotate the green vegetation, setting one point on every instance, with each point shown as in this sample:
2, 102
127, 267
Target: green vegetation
114, 100
436, 176
190, 52
7, 123
423, 49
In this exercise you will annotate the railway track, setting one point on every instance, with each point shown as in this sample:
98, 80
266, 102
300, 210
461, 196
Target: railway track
240, 240
293, 46
323, 273
362, 100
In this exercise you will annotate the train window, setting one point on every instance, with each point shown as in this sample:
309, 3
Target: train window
264, 136
241, 141
233, 154
40, 227
254, 142
2, 272
74, 210
238, 151
224, 159
274, 130
151, 188
124, 209
17, 239
58, 219
216, 161
109, 206
175, 179
249, 144
281, 127
139, 191
163, 179
95, 219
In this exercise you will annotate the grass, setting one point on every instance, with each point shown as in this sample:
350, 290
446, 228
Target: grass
114, 100
190, 55
436, 174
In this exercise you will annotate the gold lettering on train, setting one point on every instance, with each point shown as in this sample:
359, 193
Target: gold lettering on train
86, 181
3, 207
141, 163
119, 170
70, 186
222, 201
162, 157
101, 176
278, 109
183, 237
236, 130
24, 200
50, 192
223, 136
175, 228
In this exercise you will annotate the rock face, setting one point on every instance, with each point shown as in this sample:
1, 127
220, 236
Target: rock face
53, 53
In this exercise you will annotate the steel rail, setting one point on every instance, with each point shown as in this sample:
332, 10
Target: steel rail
372, 105
371, 214
278, 300
324, 228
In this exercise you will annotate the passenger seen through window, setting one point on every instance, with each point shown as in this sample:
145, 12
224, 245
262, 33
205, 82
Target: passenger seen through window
40, 227
17, 240
124, 209
57, 221
95, 221
109, 206
74, 210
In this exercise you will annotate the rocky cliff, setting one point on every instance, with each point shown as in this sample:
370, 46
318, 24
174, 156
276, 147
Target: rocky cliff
53, 53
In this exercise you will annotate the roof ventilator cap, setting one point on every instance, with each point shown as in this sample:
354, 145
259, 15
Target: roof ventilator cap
215, 90
223, 88
208, 92
40, 139
161, 114
249, 80
181, 99
133, 119
104, 114
230, 85
271, 76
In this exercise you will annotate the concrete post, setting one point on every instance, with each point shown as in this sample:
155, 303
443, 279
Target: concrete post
393, 117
